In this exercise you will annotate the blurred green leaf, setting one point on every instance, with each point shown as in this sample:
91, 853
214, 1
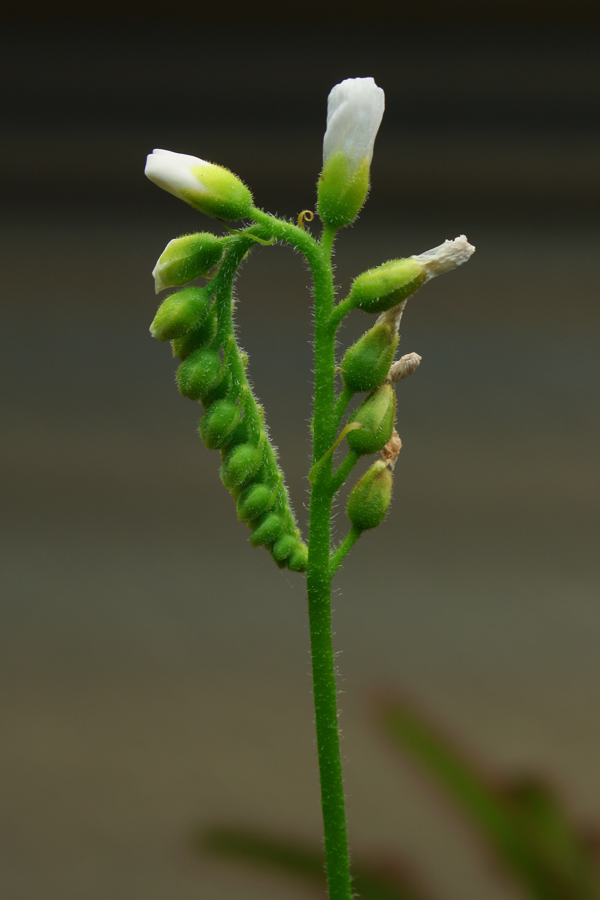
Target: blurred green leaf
306, 864
525, 825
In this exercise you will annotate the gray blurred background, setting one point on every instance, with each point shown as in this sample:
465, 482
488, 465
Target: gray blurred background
155, 667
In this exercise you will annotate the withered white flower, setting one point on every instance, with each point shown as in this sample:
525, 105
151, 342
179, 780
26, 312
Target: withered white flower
445, 257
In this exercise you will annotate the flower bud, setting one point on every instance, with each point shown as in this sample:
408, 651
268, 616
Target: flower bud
367, 362
376, 415
370, 498
185, 258
198, 338
354, 113
212, 189
283, 547
378, 290
240, 466
200, 374
217, 424
180, 313
267, 530
298, 560
253, 502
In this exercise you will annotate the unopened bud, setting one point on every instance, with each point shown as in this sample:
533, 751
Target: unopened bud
298, 560
240, 466
267, 531
180, 313
366, 363
218, 423
283, 547
369, 499
212, 189
376, 414
198, 338
254, 501
200, 374
404, 367
185, 258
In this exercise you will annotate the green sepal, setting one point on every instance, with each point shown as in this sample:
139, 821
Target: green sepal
370, 497
341, 196
198, 338
376, 414
367, 362
380, 289
180, 313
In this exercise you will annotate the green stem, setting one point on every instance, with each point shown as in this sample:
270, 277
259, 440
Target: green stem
341, 310
223, 284
318, 575
338, 478
342, 551
341, 404
319, 593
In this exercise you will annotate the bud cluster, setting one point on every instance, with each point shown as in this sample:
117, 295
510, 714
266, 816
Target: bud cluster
212, 372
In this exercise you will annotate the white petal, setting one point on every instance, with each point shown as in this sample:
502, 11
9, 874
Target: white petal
447, 256
171, 171
354, 113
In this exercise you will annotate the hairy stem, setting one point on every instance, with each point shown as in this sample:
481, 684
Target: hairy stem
319, 593
341, 404
340, 475
338, 556
318, 575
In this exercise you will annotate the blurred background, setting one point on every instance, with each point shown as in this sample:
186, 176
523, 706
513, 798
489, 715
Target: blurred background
155, 669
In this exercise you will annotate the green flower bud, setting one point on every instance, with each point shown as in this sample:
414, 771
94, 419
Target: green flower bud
212, 189
376, 415
267, 531
253, 502
240, 466
200, 374
187, 257
370, 498
284, 547
198, 338
217, 424
180, 313
298, 560
366, 364
378, 290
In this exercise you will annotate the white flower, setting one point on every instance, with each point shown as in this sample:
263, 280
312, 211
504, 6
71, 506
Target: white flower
212, 189
447, 256
354, 113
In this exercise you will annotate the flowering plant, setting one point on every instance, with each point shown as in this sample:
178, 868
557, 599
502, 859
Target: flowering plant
198, 320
